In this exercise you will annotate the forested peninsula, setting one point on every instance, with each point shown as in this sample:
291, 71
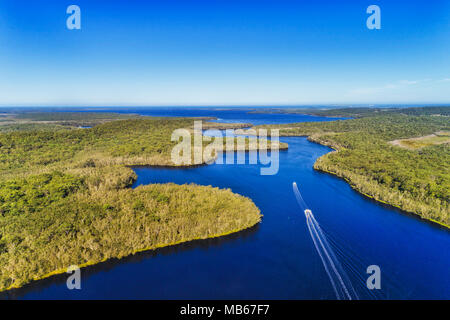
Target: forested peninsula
65, 196
398, 156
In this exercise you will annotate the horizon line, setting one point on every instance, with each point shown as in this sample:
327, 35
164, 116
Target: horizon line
423, 104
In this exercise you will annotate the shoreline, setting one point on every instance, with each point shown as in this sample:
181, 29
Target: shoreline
281, 146
152, 248
354, 187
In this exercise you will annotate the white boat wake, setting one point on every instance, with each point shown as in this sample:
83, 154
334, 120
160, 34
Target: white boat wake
339, 280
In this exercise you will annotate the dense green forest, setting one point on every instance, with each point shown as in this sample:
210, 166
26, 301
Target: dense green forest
359, 112
55, 120
67, 116
65, 198
416, 181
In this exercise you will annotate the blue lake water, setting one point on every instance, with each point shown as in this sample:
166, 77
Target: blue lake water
224, 114
276, 259
230, 115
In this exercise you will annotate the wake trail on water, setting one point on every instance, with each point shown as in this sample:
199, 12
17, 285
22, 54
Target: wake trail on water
339, 280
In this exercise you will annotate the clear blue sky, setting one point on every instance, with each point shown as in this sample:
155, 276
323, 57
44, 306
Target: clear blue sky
223, 52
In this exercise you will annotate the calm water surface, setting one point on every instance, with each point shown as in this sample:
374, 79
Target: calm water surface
276, 259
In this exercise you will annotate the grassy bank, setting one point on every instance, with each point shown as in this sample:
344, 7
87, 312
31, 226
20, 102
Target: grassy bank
85, 228
65, 198
416, 181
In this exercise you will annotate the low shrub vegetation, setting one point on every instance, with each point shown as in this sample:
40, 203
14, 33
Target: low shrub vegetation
416, 181
65, 198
